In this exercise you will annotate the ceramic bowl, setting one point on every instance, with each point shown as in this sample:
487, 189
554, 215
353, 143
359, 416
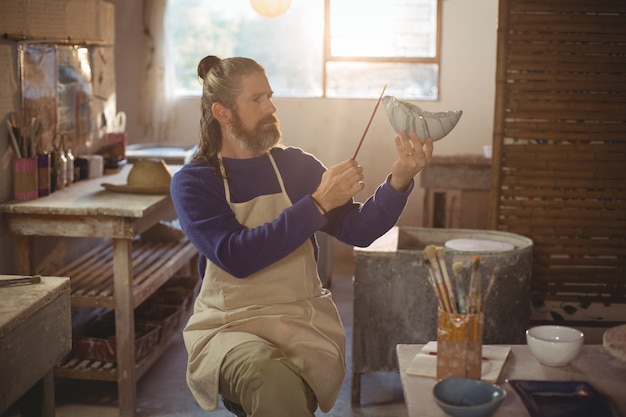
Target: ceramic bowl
407, 116
466, 397
554, 345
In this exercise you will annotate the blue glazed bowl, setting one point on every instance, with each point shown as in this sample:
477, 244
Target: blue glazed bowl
466, 397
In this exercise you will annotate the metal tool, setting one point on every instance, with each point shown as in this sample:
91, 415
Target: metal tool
35, 279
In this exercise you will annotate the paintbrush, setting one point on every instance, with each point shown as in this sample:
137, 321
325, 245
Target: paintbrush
433, 283
35, 279
492, 280
474, 287
430, 253
431, 353
370, 122
457, 268
446, 278
14, 144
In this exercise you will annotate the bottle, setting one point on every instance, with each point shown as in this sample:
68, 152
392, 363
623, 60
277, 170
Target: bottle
70, 177
61, 168
59, 164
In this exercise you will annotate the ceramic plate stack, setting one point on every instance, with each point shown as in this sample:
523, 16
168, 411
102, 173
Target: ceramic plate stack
614, 340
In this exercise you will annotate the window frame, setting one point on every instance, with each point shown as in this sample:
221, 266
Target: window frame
328, 57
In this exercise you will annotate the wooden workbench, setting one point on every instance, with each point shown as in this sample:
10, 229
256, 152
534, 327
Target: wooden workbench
121, 274
35, 333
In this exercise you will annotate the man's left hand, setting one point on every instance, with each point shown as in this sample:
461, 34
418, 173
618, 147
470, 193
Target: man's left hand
413, 155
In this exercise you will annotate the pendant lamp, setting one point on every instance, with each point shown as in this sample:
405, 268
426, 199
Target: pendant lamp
270, 8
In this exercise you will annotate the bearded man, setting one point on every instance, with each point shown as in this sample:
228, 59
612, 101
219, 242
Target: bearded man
265, 334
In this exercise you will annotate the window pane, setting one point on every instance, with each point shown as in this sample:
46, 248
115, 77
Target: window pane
290, 47
366, 80
392, 28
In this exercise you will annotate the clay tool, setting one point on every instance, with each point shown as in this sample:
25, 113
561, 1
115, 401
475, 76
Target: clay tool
370, 122
35, 279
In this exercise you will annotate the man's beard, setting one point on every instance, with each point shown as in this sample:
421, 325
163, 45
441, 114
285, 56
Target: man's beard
263, 137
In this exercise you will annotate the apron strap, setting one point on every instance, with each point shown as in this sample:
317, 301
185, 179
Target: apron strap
276, 171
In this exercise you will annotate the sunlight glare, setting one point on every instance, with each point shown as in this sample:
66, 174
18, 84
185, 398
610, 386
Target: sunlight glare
85, 64
360, 27
373, 28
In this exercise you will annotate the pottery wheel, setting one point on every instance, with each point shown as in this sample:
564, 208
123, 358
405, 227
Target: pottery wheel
614, 340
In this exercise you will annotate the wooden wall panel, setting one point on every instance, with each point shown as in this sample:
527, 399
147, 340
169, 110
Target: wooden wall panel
559, 171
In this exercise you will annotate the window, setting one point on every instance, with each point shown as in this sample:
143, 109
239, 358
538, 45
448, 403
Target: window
323, 48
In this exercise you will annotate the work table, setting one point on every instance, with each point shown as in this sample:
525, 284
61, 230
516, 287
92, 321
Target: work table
120, 274
89, 210
35, 333
594, 365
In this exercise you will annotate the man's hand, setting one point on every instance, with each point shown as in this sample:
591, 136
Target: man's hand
339, 184
413, 155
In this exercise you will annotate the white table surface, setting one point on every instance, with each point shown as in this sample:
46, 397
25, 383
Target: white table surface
594, 365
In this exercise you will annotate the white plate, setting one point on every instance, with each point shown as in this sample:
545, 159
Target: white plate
478, 245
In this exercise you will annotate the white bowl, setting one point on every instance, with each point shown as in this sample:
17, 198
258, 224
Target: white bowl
554, 345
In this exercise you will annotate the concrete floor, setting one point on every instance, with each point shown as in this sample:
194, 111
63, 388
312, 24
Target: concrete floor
162, 391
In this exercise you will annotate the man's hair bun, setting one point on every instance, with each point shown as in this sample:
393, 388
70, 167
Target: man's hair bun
206, 64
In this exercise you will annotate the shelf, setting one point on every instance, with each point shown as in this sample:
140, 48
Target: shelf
91, 277
78, 368
153, 263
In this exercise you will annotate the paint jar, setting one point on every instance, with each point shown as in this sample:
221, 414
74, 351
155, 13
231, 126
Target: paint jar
96, 165
459, 345
115, 150
43, 170
82, 168
25, 179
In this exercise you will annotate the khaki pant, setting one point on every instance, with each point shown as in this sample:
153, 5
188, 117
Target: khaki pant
257, 376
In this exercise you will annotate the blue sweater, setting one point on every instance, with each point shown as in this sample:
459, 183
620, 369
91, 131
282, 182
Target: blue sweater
210, 224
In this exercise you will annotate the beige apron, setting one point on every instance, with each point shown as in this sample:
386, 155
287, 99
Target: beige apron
283, 304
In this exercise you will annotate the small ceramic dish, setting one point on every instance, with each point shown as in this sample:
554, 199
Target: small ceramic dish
466, 397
